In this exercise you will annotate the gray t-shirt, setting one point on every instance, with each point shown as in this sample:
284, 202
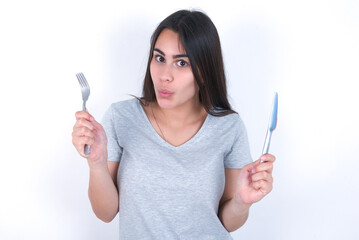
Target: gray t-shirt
168, 192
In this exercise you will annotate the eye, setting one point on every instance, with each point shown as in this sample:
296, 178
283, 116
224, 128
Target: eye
182, 63
159, 58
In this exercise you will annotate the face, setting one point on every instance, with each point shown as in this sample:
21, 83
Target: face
171, 73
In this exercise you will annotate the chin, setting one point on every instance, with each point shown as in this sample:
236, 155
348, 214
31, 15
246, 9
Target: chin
165, 103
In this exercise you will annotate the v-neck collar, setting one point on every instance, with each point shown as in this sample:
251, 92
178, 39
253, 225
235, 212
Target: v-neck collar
164, 143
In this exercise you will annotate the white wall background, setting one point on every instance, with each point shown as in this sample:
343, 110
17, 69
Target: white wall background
308, 51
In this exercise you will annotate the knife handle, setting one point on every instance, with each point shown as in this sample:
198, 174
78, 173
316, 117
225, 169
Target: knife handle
266, 143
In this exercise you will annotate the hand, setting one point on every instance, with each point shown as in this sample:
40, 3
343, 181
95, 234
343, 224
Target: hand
88, 131
255, 180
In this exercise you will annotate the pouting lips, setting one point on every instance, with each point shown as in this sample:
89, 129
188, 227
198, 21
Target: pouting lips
165, 93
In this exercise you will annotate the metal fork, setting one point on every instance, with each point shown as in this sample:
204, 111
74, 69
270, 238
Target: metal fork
85, 89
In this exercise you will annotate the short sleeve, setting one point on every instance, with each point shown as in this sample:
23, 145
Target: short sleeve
239, 155
114, 150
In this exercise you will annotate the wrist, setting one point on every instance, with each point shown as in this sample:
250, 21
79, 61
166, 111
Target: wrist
97, 161
239, 206
97, 165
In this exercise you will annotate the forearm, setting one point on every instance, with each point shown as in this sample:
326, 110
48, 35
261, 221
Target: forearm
103, 194
233, 215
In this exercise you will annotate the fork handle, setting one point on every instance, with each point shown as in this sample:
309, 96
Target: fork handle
87, 148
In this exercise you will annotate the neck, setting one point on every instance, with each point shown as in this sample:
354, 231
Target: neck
179, 116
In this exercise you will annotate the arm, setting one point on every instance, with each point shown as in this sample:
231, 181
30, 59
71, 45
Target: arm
232, 215
243, 188
103, 191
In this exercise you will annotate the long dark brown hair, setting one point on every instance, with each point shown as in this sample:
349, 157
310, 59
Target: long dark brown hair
200, 39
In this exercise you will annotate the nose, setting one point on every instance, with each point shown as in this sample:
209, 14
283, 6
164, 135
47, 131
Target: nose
166, 74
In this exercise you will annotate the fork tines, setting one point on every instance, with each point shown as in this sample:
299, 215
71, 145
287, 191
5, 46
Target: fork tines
82, 80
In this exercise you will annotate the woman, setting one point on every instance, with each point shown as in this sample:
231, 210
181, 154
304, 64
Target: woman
175, 163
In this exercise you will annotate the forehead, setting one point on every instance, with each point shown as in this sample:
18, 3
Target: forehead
168, 42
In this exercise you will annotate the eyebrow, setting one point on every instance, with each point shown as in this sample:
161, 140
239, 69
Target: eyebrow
174, 56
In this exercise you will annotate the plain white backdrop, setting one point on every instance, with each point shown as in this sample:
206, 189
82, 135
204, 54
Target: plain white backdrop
307, 51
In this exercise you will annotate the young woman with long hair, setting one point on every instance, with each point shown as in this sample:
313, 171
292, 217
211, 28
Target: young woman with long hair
175, 163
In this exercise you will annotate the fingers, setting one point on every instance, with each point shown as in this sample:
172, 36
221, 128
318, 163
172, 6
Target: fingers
268, 158
80, 142
84, 119
263, 186
251, 166
262, 181
262, 176
266, 166
85, 115
83, 126
83, 131
262, 173
266, 163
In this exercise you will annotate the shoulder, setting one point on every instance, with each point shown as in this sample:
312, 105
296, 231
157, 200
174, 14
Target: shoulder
125, 109
230, 126
125, 104
232, 120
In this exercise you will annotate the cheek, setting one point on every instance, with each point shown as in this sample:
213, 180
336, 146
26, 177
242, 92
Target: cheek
190, 85
153, 72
